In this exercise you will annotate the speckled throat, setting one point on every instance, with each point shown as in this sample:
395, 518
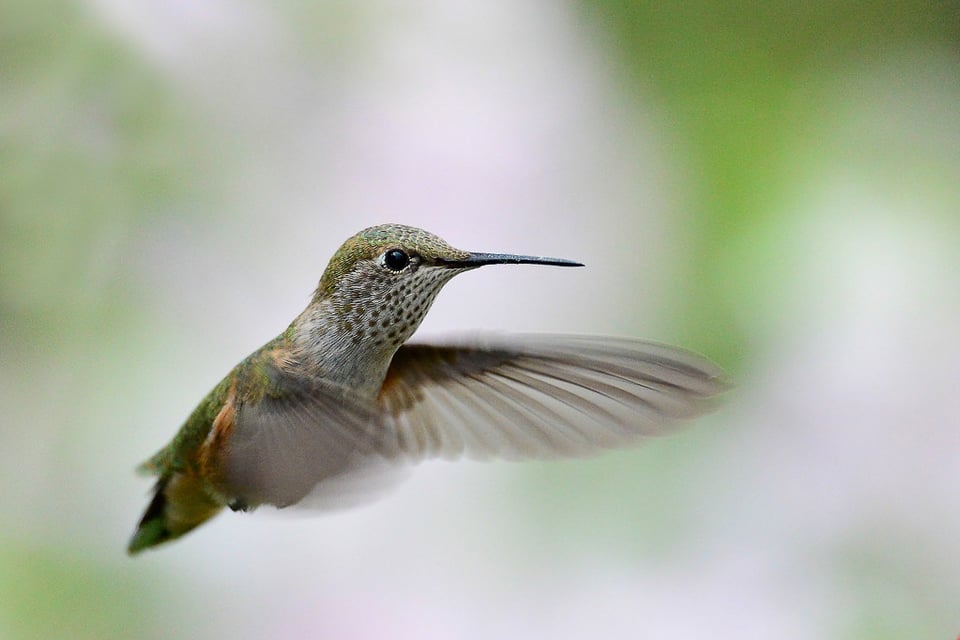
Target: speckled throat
351, 335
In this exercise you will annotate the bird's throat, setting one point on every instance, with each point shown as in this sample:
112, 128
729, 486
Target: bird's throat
328, 346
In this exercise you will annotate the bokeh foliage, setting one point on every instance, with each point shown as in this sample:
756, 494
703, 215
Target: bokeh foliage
94, 141
751, 90
94, 144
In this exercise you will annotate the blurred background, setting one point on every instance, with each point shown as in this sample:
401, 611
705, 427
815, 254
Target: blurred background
775, 185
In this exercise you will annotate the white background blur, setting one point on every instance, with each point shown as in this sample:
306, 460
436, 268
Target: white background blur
776, 189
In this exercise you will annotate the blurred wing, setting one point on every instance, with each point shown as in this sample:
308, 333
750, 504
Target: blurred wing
305, 438
539, 396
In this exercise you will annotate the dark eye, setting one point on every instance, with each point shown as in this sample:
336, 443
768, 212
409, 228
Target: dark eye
395, 259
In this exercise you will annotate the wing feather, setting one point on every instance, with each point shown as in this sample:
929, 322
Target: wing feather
495, 397
304, 432
539, 396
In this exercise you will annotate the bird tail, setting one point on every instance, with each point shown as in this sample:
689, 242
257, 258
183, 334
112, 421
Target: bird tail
179, 504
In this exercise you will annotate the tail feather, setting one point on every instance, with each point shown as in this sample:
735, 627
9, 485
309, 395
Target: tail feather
152, 528
179, 504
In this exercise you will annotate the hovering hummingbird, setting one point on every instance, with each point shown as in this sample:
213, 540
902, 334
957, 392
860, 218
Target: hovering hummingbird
339, 394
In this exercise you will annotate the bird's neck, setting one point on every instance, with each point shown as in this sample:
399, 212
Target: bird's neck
332, 345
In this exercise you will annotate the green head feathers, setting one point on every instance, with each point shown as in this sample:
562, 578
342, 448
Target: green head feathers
380, 284
373, 242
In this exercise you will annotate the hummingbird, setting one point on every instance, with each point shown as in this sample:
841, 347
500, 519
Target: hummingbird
340, 394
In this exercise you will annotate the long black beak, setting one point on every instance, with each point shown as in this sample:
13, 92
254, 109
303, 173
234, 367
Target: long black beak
482, 259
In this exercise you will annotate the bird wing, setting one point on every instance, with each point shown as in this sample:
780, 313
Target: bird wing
304, 436
518, 397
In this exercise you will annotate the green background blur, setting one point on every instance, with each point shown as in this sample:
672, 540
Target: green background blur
776, 185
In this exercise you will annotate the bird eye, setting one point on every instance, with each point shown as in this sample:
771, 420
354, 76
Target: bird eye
396, 260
